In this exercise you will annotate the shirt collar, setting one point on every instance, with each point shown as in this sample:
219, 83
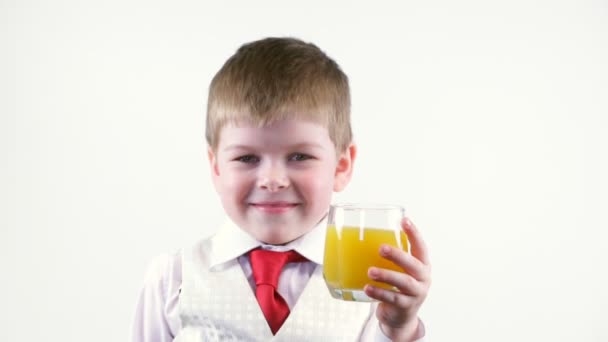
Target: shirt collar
230, 242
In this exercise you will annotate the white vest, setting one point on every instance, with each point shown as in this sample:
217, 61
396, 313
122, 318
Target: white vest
220, 306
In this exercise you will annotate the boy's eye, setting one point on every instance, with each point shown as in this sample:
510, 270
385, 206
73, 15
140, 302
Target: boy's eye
248, 159
299, 157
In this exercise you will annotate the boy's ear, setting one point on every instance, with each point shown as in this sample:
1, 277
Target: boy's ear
215, 172
344, 167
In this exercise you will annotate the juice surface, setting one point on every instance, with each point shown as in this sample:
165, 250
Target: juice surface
349, 254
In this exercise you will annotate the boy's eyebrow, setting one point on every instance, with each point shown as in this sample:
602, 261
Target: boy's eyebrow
294, 146
236, 147
308, 145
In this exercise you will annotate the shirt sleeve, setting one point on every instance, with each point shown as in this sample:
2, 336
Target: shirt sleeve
373, 333
156, 308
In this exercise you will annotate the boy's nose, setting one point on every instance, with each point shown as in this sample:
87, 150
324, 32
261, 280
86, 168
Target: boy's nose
273, 178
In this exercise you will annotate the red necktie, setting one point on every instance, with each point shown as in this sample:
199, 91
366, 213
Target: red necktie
267, 266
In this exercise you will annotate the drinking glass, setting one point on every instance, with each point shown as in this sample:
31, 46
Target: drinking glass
354, 235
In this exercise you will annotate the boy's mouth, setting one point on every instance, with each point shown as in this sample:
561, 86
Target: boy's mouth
274, 207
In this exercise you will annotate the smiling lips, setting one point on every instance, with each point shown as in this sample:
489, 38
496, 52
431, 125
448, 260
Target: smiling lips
274, 207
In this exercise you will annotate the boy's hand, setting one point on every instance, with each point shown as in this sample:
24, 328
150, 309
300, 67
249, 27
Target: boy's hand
398, 310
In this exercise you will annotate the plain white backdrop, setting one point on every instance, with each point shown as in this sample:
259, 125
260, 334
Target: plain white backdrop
487, 120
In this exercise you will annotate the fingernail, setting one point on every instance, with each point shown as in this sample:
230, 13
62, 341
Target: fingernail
373, 272
385, 250
410, 223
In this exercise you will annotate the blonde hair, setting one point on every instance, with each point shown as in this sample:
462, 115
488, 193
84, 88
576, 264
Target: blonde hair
280, 78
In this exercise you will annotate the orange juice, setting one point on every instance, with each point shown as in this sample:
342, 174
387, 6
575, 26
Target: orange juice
351, 251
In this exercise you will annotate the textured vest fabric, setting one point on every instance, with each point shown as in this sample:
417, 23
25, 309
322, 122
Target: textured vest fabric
220, 306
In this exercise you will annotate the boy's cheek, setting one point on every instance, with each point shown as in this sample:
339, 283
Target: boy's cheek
318, 184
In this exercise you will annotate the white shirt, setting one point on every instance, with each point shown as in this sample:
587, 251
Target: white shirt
157, 312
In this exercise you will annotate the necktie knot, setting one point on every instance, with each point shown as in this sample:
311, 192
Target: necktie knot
267, 265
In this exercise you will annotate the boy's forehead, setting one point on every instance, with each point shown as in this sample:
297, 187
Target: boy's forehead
293, 131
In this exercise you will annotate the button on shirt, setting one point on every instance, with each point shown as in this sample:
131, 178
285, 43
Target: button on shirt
157, 312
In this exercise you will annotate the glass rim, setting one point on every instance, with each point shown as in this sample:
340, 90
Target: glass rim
366, 206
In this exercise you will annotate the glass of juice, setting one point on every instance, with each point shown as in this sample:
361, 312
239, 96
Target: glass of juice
354, 235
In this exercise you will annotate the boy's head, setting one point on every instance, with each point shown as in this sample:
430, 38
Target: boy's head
279, 137
280, 78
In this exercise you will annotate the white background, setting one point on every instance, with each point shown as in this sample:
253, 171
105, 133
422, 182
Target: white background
487, 120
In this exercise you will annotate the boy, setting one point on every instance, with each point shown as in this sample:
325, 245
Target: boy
279, 136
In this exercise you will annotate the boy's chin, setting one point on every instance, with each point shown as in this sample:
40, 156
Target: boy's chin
277, 238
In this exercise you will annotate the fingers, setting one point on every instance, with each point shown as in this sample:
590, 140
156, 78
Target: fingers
407, 262
405, 283
417, 245
395, 298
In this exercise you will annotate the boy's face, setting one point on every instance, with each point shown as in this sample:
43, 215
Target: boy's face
276, 182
